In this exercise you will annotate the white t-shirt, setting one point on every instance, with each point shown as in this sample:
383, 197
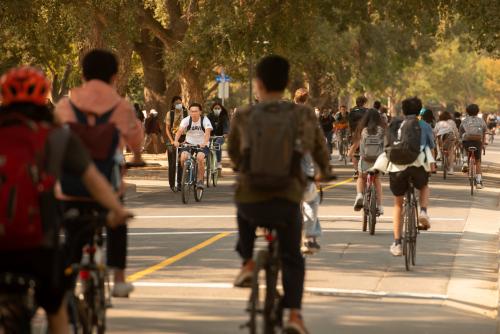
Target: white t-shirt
195, 136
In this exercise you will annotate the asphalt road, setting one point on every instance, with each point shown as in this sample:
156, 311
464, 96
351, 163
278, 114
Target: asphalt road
182, 261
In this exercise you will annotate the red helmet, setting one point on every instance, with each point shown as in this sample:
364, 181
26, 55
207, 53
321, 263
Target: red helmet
24, 84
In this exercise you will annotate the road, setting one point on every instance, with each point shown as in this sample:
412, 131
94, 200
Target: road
182, 262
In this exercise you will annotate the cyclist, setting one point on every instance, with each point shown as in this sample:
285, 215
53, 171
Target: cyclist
219, 117
491, 121
173, 120
369, 139
311, 199
447, 134
404, 132
97, 97
473, 132
377, 105
355, 116
197, 129
326, 121
24, 92
269, 198
341, 126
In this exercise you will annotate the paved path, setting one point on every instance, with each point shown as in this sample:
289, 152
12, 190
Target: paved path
182, 260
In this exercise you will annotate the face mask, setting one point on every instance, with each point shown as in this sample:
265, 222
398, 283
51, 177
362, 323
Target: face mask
217, 111
178, 106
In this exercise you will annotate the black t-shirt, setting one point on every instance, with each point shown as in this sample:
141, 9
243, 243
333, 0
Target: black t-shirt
326, 122
355, 116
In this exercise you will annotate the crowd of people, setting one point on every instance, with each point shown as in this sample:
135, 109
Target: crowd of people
68, 163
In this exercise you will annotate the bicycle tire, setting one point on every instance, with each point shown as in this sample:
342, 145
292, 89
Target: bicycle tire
14, 317
88, 298
472, 176
208, 168
445, 166
185, 183
271, 303
198, 193
255, 305
215, 178
101, 304
406, 238
413, 231
372, 219
365, 220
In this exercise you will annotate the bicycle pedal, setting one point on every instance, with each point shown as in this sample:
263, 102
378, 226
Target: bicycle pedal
422, 228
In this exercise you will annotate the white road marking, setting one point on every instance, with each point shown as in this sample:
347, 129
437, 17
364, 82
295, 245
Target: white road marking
321, 217
313, 290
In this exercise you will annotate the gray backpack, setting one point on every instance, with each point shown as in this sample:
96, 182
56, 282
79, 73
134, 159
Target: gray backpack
473, 129
372, 146
272, 150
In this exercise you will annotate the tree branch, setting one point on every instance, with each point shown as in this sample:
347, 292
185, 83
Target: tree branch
164, 35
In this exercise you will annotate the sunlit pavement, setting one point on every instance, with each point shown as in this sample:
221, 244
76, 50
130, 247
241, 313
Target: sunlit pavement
182, 261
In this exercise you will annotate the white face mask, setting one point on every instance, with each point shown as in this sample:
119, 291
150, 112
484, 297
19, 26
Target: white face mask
217, 111
178, 106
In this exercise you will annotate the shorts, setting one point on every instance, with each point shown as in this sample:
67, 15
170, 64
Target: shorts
46, 267
364, 166
492, 126
448, 141
474, 143
204, 150
399, 181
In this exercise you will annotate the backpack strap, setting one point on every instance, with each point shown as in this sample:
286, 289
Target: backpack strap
202, 118
189, 125
82, 116
172, 116
201, 122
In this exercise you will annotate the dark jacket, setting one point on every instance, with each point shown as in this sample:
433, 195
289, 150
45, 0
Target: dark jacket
220, 123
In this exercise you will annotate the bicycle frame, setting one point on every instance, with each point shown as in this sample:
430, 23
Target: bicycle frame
17, 302
410, 226
471, 161
370, 204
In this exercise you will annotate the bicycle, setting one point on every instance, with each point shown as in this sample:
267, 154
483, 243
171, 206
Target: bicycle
266, 314
370, 212
212, 172
190, 175
491, 136
343, 146
89, 300
471, 161
410, 226
444, 157
17, 302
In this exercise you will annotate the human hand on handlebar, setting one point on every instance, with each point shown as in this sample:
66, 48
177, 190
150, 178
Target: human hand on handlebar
176, 143
118, 217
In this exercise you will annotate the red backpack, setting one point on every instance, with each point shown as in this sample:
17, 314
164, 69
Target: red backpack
24, 182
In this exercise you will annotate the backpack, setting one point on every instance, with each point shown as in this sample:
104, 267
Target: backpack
101, 141
271, 149
202, 118
403, 141
28, 209
355, 116
473, 129
372, 146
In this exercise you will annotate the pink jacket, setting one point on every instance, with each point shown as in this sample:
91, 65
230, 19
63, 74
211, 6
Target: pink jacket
98, 97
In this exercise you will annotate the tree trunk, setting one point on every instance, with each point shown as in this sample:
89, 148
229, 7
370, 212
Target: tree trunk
192, 87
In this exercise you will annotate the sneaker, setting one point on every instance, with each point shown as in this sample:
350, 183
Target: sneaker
358, 202
219, 172
219, 165
479, 185
396, 250
355, 175
340, 158
451, 171
310, 246
424, 221
200, 185
122, 290
295, 326
244, 278
380, 211
465, 169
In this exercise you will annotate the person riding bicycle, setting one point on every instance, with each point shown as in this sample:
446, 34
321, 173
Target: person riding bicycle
408, 156
355, 116
197, 129
95, 102
447, 134
311, 199
264, 145
173, 120
219, 117
341, 126
23, 92
491, 122
369, 139
378, 106
472, 133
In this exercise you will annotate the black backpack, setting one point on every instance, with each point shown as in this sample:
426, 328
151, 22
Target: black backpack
403, 141
272, 149
202, 118
355, 115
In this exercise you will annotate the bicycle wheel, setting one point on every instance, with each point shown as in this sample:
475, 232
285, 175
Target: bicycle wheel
215, 177
366, 199
472, 176
89, 307
186, 183
372, 218
413, 231
406, 235
198, 193
255, 305
445, 165
272, 304
100, 304
208, 168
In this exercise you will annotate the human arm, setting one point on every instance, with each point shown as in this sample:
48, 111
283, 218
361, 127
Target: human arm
168, 125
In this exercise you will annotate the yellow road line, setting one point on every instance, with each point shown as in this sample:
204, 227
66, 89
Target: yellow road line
338, 184
175, 258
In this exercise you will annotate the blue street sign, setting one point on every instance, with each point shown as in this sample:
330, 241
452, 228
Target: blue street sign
222, 78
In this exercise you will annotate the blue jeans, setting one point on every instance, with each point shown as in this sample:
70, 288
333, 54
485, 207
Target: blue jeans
218, 153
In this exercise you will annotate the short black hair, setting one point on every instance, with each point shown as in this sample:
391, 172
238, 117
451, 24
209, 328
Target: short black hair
412, 106
273, 71
196, 104
361, 101
472, 109
99, 64
377, 105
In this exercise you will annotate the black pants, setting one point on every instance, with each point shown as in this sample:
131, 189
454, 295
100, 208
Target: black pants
77, 236
293, 265
171, 152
